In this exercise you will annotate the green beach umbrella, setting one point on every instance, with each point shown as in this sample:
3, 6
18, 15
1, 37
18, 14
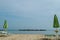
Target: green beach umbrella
56, 25
56, 22
5, 26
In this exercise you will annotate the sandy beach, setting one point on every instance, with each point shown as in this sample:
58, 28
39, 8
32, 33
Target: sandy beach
23, 37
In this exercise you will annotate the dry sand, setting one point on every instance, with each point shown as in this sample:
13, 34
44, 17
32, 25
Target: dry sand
23, 37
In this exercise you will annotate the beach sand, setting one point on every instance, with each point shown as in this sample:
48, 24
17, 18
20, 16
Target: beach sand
23, 37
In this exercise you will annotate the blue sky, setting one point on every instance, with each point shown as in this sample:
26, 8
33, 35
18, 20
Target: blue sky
29, 14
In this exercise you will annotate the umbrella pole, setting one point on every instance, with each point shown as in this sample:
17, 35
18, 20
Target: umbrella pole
56, 33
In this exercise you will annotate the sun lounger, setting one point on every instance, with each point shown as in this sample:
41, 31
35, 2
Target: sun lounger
3, 34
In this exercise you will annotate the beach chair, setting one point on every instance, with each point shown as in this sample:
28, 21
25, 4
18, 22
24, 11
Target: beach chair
3, 34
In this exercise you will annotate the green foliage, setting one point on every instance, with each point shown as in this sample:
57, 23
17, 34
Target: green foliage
55, 23
5, 26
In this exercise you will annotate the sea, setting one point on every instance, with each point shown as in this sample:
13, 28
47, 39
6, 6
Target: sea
33, 32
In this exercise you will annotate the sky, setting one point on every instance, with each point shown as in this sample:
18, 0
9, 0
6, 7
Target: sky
29, 14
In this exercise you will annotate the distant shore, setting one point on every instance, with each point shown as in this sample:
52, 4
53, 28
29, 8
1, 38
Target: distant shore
32, 29
26, 30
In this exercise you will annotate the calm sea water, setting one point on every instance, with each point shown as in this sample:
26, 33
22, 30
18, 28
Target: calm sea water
33, 32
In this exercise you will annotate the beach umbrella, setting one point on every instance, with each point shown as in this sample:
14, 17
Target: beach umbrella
5, 26
56, 24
